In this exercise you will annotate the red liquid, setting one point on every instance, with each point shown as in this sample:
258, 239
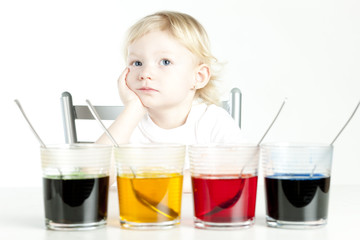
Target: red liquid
224, 199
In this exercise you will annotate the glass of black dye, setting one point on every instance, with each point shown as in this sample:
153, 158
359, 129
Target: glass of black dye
297, 184
75, 185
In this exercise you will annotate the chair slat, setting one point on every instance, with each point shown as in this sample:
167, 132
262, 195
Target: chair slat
105, 112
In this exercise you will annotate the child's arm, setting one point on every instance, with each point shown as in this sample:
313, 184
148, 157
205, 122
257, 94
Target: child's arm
123, 126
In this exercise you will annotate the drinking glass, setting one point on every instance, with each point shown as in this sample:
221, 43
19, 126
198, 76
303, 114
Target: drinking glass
297, 184
149, 180
224, 181
75, 185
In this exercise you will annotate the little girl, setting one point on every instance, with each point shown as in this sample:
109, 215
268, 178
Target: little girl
168, 87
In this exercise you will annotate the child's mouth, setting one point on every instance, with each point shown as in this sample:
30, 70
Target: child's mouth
147, 89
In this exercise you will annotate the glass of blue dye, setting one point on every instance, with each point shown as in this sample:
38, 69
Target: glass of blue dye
297, 184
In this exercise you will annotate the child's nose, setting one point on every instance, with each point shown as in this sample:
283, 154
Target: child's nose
145, 73
143, 77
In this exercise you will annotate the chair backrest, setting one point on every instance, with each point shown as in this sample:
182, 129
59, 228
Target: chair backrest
71, 112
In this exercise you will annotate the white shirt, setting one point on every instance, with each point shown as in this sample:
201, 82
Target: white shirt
204, 124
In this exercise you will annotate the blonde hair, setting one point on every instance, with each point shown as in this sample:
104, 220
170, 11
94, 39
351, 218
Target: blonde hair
190, 33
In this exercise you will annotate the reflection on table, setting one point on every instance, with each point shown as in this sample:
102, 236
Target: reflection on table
22, 215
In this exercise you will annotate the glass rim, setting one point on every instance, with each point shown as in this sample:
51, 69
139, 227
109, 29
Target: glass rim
296, 145
150, 145
75, 146
224, 145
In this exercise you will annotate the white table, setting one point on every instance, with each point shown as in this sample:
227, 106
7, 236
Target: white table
22, 217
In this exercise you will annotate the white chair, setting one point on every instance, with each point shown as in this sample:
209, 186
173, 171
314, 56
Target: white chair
71, 112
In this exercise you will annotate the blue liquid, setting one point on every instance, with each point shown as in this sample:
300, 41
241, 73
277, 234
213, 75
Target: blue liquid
297, 197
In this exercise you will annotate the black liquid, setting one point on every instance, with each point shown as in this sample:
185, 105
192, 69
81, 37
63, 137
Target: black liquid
76, 201
297, 197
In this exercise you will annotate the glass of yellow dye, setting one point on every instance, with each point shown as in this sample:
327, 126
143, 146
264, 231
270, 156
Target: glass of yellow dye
149, 180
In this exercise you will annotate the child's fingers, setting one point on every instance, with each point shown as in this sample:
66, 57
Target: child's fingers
126, 94
122, 78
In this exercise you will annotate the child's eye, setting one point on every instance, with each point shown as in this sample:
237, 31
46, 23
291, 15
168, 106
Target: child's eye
165, 62
137, 63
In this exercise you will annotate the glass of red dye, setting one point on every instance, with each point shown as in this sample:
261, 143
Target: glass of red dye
297, 184
224, 182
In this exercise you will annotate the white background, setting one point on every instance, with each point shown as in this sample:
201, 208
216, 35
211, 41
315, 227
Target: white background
307, 51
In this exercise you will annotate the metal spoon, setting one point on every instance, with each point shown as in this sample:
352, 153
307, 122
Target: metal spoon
347, 122
156, 207
31, 127
272, 123
97, 117
342, 129
229, 203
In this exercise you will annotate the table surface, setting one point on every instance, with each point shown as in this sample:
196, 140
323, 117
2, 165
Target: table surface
22, 217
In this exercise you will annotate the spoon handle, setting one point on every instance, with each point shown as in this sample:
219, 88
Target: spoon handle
272, 123
97, 117
347, 122
32, 128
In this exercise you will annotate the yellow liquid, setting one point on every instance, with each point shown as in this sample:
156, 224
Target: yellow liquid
150, 198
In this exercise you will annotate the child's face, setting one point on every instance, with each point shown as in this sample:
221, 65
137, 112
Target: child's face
162, 71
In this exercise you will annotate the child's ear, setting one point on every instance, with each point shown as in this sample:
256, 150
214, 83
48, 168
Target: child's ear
202, 76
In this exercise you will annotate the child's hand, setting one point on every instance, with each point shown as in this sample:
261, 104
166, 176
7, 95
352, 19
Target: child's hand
124, 125
128, 97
